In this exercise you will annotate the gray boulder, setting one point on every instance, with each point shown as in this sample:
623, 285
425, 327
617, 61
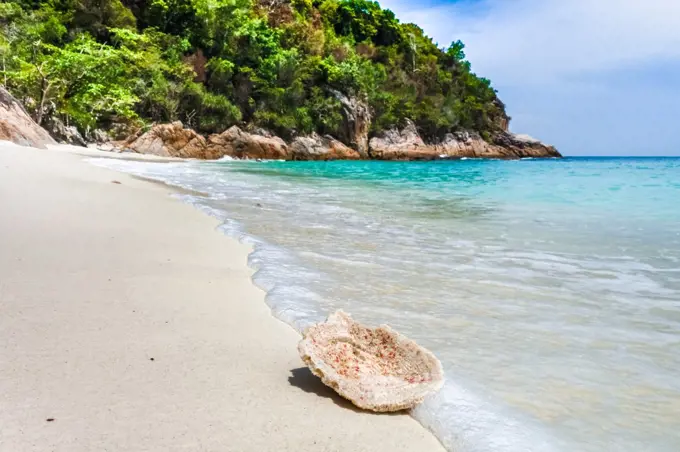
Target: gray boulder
63, 133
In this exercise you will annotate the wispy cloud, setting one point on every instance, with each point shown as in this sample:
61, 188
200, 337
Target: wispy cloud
549, 39
593, 68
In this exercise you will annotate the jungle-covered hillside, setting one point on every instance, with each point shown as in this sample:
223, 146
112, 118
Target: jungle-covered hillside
281, 65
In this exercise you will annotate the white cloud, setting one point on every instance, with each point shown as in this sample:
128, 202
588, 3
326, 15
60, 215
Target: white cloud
548, 39
590, 76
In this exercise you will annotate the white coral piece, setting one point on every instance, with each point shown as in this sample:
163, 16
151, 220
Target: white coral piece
376, 369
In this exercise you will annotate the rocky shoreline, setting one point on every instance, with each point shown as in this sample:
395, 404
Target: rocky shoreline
175, 140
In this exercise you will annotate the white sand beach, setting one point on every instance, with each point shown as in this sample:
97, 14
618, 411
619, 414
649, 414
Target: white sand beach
129, 323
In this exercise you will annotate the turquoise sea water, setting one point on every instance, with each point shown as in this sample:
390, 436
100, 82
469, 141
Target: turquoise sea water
549, 289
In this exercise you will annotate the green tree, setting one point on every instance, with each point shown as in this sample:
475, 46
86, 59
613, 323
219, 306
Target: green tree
215, 63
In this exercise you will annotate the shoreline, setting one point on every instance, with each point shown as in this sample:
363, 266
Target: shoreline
99, 278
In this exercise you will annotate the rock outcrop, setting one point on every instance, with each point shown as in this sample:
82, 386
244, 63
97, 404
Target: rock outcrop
522, 146
171, 140
237, 143
315, 147
119, 131
356, 115
406, 144
63, 133
504, 145
98, 136
17, 126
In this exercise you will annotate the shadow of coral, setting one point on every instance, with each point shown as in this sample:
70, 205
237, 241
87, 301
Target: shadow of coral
304, 379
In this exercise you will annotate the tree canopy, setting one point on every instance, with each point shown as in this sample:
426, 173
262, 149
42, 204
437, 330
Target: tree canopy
214, 63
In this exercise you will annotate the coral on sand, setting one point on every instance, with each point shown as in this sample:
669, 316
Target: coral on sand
377, 369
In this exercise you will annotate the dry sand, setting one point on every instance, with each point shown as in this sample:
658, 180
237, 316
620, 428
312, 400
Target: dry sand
132, 323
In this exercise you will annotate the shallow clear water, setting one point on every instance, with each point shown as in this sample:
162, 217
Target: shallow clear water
549, 289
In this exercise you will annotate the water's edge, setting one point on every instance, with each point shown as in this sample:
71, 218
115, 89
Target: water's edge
234, 230
482, 425
547, 289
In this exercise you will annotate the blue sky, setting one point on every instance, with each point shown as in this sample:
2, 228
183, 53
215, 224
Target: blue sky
592, 77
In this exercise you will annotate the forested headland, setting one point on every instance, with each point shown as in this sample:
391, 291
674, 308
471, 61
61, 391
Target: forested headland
279, 65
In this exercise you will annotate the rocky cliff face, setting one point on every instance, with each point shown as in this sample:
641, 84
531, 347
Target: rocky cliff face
521, 146
314, 147
504, 145
406, 144
237, 143
173, 140
17, 126
170, 140
63, 133
356, 116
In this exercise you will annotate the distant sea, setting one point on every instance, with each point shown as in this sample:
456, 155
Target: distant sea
549, 289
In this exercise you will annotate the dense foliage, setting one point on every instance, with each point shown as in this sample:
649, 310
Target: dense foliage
214, 63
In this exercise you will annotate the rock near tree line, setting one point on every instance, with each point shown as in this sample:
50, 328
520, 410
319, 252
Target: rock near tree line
175, 140
17, 126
